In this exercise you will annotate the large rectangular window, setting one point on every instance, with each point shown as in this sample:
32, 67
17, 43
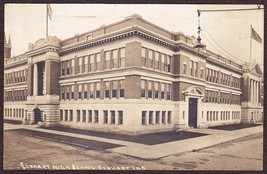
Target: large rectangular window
79, 65
143, 88
72, 91
91, 92
143, 117
122, 57
150, 117
84, 116
106, 84
97, 61
144, 57
191, 67
71, 115
157, 117
107, 59
120, 117
91, 62
150, 59
67, 92
66, 115
97, 90
150, 89
114, 60
90, 115
157, 63
61, 115
195, 68
112, 117
105, 117
121, 87
78, 116
162, 88
163, 117
168, 91
156, 90
96, 116
79, 91
114, 89
85, 89
85, 64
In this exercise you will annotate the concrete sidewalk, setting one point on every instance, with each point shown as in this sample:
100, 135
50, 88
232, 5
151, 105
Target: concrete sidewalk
151, 152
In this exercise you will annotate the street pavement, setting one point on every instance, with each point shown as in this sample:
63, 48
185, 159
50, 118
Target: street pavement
152, 152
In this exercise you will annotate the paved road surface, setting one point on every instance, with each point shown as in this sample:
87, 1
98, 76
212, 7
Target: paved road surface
21, 151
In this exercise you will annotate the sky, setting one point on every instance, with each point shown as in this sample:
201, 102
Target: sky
225, 33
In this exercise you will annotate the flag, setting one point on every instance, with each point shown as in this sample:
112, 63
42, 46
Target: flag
49, 11
255, 36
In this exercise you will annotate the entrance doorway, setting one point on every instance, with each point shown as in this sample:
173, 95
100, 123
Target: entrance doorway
37, 116
192, 110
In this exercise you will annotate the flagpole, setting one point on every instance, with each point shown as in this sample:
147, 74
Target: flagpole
250, 41
46, 21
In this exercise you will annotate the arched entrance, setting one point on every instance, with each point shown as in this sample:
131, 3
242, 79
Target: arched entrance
37, 116
193, 95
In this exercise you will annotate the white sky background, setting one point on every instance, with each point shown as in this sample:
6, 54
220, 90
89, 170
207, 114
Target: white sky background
231, 30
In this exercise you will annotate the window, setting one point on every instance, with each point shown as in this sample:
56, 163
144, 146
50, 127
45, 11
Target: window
163, 118
106, 89
61, 115
157, 63
105, 117
120, 117
157, 117
144, 59
150, 90
72, 91
78, 115
121, 87
84, 116
168, 63
114, 89
107, 59
91, 92
191, 67
162, 88
85, 65
91, 62
184, 69
79, 91
63, 92
169, 117
97, 90
122, 57
150, 117
66, 115
201, 73
156, 90
85, 89
97, 61
62, 68
112, 117
143, 117
96, 116
90, 115
67, 92
79, 65
72, 66
143, 88
71, 115
195, 67
168, 91
150, 59
114, 60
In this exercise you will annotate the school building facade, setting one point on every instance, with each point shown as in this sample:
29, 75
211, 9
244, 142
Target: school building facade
130, 77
